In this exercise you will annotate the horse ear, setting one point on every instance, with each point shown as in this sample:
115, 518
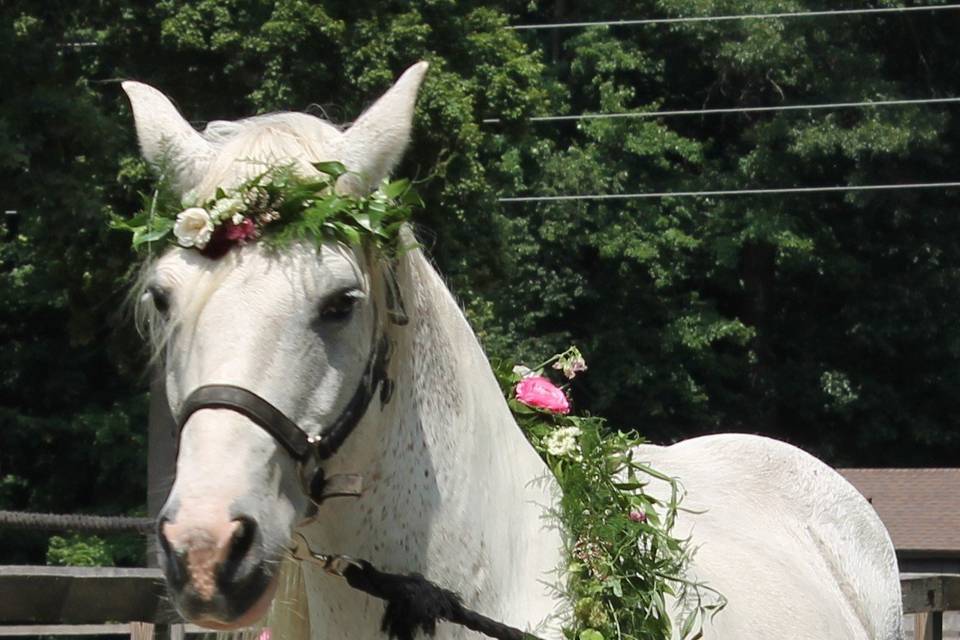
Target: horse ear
373, 145
166, 139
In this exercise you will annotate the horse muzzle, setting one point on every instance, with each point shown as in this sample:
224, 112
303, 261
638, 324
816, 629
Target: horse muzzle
217, 572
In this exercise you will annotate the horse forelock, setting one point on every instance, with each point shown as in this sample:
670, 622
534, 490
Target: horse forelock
246, 148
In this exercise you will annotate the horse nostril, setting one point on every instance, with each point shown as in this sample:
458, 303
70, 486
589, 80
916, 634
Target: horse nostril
241, 541
169, 559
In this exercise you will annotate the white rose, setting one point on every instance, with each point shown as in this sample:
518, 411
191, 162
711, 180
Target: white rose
193, 228
225, 208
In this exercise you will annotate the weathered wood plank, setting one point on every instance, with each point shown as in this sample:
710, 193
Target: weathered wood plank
924, 594
81, 595
142, 631
177, 631
65, 630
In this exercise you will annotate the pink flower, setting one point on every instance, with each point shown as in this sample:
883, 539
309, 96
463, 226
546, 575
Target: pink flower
540, 393
638, 516
242, 231
264, 634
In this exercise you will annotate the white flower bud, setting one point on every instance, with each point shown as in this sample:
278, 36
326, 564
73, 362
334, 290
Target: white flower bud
225, 208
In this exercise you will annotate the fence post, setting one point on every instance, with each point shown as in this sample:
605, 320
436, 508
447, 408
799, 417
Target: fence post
161, 456
935, 625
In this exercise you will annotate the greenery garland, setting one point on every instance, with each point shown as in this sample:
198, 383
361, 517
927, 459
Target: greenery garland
623, 561
278, 206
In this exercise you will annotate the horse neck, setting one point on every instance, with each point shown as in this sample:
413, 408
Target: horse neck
453, 488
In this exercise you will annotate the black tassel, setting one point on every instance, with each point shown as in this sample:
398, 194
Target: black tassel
414, 603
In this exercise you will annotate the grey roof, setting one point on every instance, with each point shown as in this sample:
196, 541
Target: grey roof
920, 507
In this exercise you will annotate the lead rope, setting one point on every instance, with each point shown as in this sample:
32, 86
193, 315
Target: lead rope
413, 602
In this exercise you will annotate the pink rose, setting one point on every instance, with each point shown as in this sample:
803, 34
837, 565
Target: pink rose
242, 231
540, 393
638, 516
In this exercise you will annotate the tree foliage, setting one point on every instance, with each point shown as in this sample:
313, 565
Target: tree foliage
824, 319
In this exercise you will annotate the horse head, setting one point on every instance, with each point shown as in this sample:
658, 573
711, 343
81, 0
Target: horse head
298, 327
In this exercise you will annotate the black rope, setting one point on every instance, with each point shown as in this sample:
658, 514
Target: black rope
88, 524
413, 603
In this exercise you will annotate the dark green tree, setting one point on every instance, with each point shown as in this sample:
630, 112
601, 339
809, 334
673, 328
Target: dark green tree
824, 319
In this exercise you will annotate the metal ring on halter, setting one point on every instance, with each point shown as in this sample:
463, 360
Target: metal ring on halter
336, 565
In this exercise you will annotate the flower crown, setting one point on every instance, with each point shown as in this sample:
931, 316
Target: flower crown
278, 205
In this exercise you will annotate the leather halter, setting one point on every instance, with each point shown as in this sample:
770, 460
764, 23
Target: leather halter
307, 450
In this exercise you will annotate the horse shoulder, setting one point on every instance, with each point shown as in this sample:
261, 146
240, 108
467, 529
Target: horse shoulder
785, 538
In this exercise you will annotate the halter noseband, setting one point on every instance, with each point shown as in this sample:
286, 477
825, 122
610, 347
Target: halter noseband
307, 450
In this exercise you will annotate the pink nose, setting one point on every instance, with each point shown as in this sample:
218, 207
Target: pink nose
202, 554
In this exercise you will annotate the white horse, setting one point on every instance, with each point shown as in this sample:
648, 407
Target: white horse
452, 489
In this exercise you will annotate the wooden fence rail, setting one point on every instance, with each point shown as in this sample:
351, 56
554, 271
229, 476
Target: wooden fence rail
78, 601
929, 596
132, 630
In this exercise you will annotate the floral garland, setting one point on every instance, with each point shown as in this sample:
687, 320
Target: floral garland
623, 560
278, 205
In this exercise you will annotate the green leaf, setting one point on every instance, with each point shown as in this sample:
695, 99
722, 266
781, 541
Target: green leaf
331, 168
614, 585
363, 220
149, 236
688, 624
412, 198
348, 234
396, 188
123, 224
590, 634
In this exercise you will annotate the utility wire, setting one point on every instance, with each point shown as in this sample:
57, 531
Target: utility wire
693, 112
733, 192
726, 18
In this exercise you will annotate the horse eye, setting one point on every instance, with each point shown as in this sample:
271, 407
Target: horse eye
160, 298
340, 305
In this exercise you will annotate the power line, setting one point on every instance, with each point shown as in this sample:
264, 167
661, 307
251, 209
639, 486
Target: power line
748, 16
693, 112
733, 192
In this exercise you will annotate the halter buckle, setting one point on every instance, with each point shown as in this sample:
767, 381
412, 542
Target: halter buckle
335, 565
